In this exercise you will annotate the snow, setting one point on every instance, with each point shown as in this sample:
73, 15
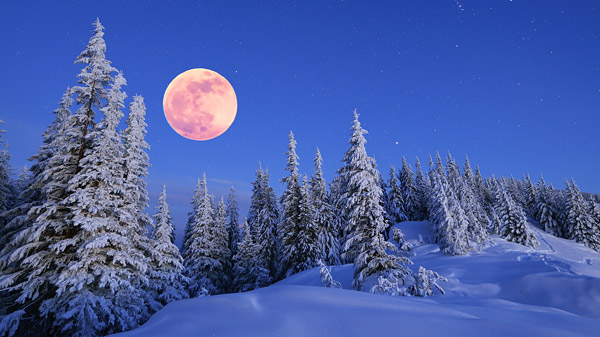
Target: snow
504, 290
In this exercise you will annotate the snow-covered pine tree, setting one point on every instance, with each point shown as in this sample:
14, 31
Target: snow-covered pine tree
529, 192
477, 220
189, 234
207, 256
423, 188
468, 172
136, 159
248, 273
395, 203
546, 213
257, 200
513, 221
266, 231
579, 222
166, 277
5, 191
324, 216
447, 216
289, 227
233, 215
365, 244
425, 281
299, 245
408, 187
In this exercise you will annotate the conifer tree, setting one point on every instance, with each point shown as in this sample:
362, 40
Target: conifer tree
423, 187
5, 192
233, 214
248, 272
579, 222
411, 205
166, 279
324, 216
289, 227
529, 193
207, 256
395, 203
513, 221
365, 244
546, 213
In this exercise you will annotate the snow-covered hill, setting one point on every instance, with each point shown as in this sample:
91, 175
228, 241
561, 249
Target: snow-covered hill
505, 290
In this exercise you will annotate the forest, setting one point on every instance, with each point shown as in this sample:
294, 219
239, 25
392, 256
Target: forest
81, 256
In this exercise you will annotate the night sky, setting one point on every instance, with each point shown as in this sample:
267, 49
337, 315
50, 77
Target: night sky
513, 84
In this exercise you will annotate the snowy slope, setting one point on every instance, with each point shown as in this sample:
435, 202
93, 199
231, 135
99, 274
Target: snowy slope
505, 290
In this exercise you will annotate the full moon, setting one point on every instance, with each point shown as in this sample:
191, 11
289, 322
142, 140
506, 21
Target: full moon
200, 104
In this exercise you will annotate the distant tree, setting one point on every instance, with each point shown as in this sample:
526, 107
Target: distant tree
326, 278
263, 228
408, 187
546, 213
207, 256
580, 224
529, 192
395, 202
423, 188
513, 221
248, 272
289, 226
233, 214
166, 279
5, 191
324, 216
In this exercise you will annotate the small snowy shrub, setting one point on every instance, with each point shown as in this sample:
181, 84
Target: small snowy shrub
388, 285
326, 278
424, 281
398, 236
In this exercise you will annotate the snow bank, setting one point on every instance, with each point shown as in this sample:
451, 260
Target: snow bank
505, 290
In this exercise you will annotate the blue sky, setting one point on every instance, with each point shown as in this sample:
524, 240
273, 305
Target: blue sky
513, 84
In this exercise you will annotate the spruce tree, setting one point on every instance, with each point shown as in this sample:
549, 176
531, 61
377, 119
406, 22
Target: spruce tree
5, 191
233, 214
513, 221
207, 256
289, 227
546, 213
365, 244
423, 187
248, 273
395, 203
324, 216
166, 279
579, 222
408, 187
265, 227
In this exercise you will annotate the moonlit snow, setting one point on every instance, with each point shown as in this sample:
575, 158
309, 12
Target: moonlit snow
504, 290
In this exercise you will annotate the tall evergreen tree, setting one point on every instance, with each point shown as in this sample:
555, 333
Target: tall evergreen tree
395, 202
233, 214
266, 228
365, 244
423, 187
529, 192
207, 256
248, 273
290, 201
409, 191
513, 221
324, 216
5, 192
580, 225
546, 213
166, 279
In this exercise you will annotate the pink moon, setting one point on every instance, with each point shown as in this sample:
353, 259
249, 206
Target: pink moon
200, 104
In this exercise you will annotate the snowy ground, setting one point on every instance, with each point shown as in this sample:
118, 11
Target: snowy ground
505, 290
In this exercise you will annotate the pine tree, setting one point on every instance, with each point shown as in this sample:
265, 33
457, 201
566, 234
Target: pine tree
423, 187
189, 235
326, 278
233, 214
290, 202
529, 193
365, 244
5, 192
266, 229
324, 216
207, 256
136, 159
546, 213
513, 221
395, 203
409, 192
247, 270
579, 223
166, 279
